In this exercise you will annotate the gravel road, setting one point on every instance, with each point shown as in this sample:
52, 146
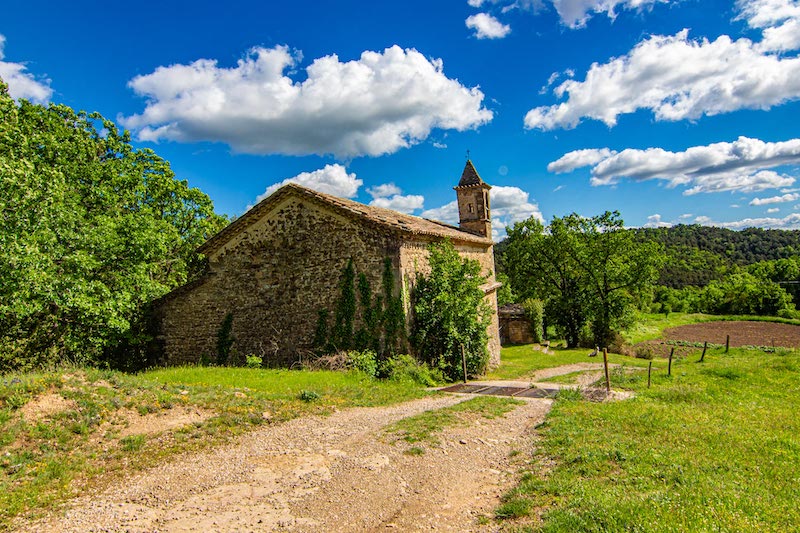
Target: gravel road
337, 473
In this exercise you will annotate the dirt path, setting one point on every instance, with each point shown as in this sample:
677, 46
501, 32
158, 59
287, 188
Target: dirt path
338, 473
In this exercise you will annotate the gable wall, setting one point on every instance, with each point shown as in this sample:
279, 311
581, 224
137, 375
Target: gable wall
414, 259
274, 278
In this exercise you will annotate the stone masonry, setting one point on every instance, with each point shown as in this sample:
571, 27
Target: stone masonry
277, 265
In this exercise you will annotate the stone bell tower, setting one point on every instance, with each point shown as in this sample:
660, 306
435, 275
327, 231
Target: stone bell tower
474, 214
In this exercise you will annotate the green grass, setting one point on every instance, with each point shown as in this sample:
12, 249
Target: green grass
520, 362
651, 326
425, 427
45, 461
715, 447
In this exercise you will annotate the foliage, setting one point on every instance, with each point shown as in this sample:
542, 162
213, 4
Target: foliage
44, 462
253, 361
380, 318
225, 340
406, 368
534, 312
682, 456
92, 230
505, 294
364, 361
308, 396
345, 312
589, 270
450, 314
743, 293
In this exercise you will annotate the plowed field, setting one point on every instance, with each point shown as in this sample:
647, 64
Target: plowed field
742, 333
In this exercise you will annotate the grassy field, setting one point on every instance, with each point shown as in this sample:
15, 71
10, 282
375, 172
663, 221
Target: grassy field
715, 447
520, 362
59, 431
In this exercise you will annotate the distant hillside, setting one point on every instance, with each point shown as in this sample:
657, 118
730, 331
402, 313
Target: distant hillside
699, 254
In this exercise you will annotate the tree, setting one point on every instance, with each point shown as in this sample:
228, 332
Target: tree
91, 231
588, 270
450, 313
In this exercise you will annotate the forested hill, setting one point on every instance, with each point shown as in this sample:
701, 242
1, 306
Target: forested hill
698, 254
739, 247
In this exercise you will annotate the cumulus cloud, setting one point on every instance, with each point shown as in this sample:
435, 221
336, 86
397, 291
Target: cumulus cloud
22, 84
679, 78
575, 13
487, 27
773, 210
333, 179
791, 221
377, 104
742, 165
790, 197
579, 158
654, 221
509, 204
384, 190
779, 21
398, 202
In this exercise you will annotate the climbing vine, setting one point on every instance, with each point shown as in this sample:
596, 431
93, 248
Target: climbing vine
380, 317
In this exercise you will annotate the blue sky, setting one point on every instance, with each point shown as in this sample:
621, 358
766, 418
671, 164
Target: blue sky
670, 111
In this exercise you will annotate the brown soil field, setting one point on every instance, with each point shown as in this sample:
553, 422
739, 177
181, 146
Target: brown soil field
743, 333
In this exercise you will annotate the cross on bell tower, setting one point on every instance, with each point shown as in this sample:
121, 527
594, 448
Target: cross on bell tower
472, 193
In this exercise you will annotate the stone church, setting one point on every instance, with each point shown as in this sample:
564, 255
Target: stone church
273, 268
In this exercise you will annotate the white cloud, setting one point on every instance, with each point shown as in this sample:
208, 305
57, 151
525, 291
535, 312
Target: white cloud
779, 21
384, 190
741, 165
654, 221
398, 202
575, 13
447, 213
558, 188
773, 210
790, 197
333, 179
487, 27
374, 105
22, 84
579, 158
791, 221
676, 78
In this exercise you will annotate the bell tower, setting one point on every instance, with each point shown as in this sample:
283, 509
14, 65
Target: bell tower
474, 214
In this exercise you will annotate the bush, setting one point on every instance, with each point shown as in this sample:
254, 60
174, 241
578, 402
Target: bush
534, 311
364, 361
405, 368
253, 361
308, 396
645, 351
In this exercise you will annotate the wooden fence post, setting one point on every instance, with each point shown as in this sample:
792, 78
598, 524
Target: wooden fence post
703, 355
727, 342
649, 371
464, 363
669, 366
605, 365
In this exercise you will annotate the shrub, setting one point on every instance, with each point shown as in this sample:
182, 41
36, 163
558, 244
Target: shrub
534, 311
253, 361
308, 396
644, 351
364, 361
405, 368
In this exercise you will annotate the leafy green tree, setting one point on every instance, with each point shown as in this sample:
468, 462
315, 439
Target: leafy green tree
587, 269
91, 231
742, 293
450, 313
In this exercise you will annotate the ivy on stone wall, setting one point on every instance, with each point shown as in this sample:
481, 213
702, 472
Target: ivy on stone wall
380, 317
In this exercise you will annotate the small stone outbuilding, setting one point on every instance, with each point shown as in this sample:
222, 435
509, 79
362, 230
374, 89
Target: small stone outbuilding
515, 328
273, 268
